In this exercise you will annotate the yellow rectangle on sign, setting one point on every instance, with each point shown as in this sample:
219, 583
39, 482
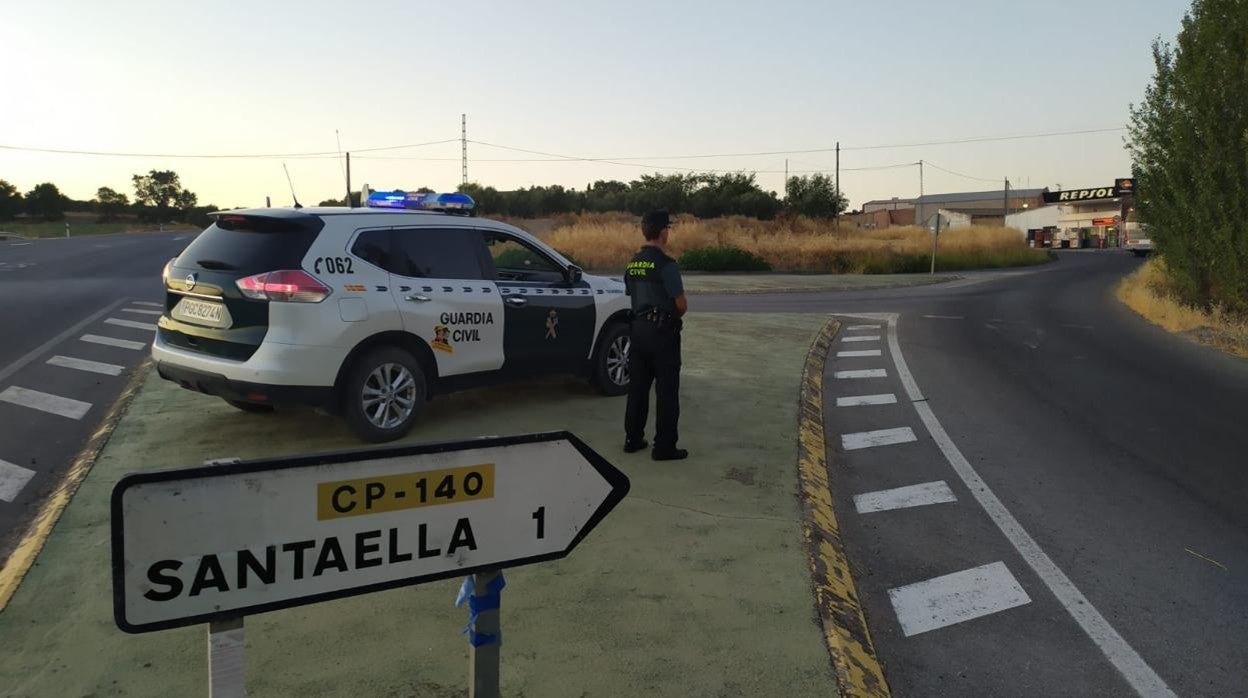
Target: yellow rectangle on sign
376, 495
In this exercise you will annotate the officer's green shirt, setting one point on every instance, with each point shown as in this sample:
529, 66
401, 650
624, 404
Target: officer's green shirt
652, 280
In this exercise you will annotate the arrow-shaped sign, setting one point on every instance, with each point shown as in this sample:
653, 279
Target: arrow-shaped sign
208, 543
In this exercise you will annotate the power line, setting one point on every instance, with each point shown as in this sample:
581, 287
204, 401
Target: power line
258, 156
959, 174
956, 141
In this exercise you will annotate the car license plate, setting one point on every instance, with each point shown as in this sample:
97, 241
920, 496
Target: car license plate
202, 313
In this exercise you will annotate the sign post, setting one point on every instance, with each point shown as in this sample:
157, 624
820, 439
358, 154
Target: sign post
935, 237
216, 543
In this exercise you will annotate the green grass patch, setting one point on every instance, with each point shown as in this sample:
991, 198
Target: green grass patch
723, 258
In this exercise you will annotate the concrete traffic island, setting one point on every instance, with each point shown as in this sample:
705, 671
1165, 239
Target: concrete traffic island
697, 584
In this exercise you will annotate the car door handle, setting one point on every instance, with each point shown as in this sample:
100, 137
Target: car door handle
417, 299
517, 301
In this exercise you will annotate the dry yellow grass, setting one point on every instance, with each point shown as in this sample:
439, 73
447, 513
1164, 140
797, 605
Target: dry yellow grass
607, 241
1147, 292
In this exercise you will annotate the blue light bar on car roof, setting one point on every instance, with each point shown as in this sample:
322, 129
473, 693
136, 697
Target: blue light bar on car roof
418, 201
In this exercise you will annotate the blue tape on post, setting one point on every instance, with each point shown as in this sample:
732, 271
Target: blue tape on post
491, 600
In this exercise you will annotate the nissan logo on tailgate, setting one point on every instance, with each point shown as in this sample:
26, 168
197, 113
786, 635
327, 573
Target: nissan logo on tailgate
190, 281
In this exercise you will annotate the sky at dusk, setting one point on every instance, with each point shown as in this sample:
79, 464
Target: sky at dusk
637, 83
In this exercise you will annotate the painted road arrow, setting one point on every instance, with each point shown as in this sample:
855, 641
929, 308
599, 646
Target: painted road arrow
220, 541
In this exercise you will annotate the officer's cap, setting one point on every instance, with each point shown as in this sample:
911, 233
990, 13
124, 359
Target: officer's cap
656, 220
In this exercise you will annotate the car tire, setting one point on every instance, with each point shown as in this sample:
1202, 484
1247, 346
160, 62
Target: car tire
377, 413
610, 368
250, 407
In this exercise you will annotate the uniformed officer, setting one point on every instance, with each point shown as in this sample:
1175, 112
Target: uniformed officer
652, 281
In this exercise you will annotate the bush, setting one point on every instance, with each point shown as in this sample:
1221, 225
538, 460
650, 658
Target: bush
725, 258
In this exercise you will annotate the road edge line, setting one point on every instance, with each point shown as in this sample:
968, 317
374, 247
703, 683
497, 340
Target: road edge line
40, 528
857, 668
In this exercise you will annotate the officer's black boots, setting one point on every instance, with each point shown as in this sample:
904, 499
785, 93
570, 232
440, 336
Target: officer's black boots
674, 454
635, 446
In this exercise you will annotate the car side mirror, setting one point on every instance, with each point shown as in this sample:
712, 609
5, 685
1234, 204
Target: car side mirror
573, 274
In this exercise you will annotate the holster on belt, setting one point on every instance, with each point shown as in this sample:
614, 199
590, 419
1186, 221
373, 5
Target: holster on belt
661, 319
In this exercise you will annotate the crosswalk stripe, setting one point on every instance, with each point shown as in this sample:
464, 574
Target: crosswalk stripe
862, 373
131, 324
85, 365
862, 338
112, 341
12, 479
864, 400
148, 303
853, 328
954, 598
904, 497
857, 354
45, 402
140, 311
879, 437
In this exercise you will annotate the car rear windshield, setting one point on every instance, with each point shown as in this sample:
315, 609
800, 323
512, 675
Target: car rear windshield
251, 244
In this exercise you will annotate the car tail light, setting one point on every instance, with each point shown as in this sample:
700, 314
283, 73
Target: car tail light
290, 286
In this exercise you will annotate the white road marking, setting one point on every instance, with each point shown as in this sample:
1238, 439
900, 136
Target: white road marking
85, 365
45, 402
131, 323
46, 346
856, 354
862, 338
862, 373
879, 437
12, 479
148, 304
944, 317
954, 598
853, 328
904, 497
1125, 659
18, 244
861, 400
112, 342
140, 311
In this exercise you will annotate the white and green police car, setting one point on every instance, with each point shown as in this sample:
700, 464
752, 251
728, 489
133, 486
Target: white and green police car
368, 312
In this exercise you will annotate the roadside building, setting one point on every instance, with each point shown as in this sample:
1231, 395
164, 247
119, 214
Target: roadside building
980, 207
1097, 217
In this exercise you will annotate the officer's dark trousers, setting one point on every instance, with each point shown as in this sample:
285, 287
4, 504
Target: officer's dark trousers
653, 358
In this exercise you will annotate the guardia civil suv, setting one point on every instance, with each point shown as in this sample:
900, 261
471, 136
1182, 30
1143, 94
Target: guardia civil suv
368, 312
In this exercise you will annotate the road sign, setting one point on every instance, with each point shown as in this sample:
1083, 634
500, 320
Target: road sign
217, 542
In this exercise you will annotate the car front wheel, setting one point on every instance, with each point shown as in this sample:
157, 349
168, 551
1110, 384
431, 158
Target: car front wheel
610, 370
383, 394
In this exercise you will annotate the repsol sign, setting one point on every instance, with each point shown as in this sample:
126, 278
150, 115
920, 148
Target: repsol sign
1073, 195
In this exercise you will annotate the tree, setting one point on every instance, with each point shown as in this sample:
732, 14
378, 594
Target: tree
158, 192
10, 201
46, 201
1189, 144
815, 196
110, 203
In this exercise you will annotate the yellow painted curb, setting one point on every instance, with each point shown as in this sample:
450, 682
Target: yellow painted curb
36, 535
858, 670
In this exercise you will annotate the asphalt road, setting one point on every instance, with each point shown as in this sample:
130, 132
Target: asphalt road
1093, 541
54, 292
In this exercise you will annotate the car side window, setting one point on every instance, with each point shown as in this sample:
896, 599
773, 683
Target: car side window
373, 246
436, 253
517, 261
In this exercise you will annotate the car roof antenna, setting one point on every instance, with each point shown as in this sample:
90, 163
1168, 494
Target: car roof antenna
292, 187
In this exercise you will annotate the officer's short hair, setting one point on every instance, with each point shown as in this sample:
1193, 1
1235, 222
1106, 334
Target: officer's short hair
653, 223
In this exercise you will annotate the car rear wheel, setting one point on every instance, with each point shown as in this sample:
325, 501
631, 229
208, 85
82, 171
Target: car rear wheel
610, 370
251, 407
383, 393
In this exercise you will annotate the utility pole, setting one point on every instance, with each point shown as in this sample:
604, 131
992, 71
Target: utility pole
919, 220
1005, 201
786, 180
348, 199
463, 143
836, 215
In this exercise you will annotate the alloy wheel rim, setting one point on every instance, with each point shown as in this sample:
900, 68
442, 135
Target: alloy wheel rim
617, 360
389, 395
